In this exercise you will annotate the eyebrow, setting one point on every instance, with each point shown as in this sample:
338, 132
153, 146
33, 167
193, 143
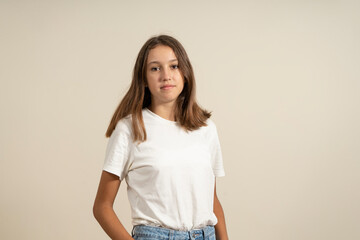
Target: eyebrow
172, 60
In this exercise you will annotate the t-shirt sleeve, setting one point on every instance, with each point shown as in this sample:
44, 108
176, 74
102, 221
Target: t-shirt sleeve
117, 151
216, 154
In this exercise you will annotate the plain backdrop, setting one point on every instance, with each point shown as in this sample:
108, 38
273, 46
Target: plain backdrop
282, 79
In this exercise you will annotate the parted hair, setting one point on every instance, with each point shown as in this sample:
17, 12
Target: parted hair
187, 112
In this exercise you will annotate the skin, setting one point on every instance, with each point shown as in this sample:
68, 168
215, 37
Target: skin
161, 69
220, 227
103, 207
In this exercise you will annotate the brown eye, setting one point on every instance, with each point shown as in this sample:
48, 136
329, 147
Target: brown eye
154, 68
175, 66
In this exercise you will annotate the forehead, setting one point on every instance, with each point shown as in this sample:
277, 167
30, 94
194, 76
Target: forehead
161, 54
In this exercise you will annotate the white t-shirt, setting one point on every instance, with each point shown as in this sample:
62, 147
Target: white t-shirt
170, 177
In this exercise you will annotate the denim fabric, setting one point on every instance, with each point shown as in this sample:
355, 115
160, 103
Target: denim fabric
145, 232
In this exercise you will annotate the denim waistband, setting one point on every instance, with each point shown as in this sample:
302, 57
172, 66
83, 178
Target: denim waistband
147, 230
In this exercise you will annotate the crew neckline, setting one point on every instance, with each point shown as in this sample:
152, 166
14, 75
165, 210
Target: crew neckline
158, 117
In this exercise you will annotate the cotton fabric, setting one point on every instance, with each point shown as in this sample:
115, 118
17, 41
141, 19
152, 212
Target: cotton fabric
171, 176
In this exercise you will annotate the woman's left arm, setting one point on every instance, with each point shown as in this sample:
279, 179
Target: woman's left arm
220, 227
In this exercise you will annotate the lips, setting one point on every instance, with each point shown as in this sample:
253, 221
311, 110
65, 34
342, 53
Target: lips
169, 86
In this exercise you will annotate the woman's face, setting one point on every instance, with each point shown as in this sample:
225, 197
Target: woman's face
164, 78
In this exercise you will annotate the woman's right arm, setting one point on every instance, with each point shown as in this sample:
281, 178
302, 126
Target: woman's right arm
103, 207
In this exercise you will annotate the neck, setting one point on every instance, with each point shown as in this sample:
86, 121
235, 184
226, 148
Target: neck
164, 111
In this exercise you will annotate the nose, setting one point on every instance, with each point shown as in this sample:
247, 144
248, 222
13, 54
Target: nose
166, 74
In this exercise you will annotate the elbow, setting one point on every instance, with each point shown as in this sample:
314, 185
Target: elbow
97, 210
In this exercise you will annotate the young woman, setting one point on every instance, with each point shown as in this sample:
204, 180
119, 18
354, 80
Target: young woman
166, 148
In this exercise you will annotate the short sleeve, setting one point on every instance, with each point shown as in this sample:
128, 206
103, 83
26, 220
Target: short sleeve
117, 150
216, 154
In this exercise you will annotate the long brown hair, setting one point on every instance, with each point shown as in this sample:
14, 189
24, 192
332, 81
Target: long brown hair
188, 113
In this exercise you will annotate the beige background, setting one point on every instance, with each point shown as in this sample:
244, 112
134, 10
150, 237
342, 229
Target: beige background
281, 77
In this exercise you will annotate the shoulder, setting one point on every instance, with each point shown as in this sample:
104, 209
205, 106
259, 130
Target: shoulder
211, 125
210, 122
124, 125
210, 129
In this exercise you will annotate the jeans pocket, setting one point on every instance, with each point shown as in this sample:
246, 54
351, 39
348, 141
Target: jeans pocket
211, 237
145, 238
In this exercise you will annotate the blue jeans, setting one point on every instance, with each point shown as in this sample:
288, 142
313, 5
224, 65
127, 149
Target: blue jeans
145, 232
